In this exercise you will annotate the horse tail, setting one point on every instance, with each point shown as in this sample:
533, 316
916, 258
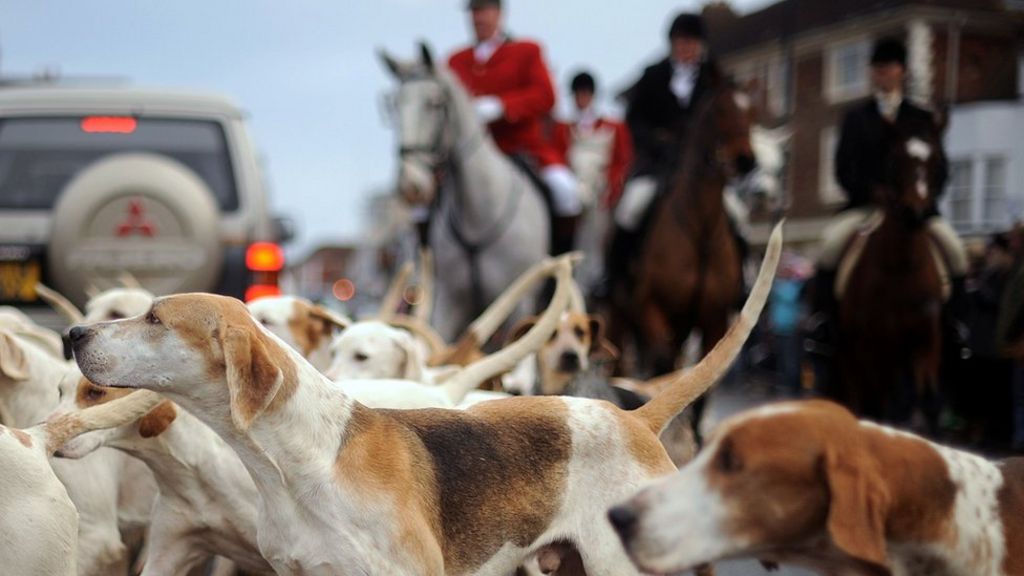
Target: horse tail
685, 386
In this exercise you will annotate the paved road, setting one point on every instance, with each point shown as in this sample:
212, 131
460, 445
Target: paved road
725, 400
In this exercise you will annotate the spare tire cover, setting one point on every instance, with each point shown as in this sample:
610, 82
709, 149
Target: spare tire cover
143, 214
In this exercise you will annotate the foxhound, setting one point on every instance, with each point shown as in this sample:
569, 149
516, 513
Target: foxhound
349, 489
807, 483
207, 501
39, 523
303, 325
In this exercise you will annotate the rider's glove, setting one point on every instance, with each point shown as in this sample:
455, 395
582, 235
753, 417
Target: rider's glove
489, 108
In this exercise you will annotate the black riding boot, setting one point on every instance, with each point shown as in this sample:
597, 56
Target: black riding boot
563, 234
955, 318
820, 328
616, 262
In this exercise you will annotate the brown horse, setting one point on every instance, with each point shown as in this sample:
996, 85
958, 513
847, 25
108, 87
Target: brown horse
889, 319
688, 273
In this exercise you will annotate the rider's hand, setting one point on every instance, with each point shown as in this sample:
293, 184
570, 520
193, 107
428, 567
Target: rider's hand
489, 108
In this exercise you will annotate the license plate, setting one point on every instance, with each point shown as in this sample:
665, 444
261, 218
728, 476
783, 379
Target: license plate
18, 281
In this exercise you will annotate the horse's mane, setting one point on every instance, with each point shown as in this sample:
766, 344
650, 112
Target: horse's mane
699, 137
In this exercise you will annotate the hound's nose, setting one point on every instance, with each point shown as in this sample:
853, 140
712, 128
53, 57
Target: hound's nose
623, 518
569, 362
79, 334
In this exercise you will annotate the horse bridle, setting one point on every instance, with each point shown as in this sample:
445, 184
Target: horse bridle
442, 166
434, 149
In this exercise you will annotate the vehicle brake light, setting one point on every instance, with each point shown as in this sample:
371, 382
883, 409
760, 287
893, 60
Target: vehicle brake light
264, 257
109, 124
257, 291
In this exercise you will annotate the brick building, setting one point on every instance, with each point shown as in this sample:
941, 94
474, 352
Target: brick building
807, 61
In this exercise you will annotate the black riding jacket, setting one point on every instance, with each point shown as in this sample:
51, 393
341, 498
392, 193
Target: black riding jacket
860, 155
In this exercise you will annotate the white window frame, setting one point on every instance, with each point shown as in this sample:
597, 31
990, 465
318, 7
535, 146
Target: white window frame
829, 191
833, 91
979, 189
969, 200
772, 78
1000, 218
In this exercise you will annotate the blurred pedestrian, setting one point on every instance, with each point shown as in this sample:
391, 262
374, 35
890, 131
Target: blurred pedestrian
784, 317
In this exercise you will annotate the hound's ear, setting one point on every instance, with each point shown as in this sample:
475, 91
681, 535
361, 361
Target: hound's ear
859, 504
600, 348
253, 379
12, 358
427, 56
390, 63
520, 329
412, 369
157, 420
331, 319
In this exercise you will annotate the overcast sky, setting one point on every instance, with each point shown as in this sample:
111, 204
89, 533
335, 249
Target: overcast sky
307, 74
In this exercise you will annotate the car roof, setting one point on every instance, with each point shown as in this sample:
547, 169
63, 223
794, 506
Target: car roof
54, 99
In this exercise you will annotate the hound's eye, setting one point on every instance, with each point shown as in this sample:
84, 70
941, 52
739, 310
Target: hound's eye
360, 357
580, 334
727, 460
94, 394
151, 318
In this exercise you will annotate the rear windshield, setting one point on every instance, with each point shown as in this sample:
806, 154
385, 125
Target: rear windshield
39, 156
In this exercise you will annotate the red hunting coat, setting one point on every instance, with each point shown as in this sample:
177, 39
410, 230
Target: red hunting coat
516, 73
621, 154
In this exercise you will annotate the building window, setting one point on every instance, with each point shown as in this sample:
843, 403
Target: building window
846, 70
769, 82
959, 198
829, 191
978, 199
993, 193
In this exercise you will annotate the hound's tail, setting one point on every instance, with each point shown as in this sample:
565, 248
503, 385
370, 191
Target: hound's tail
60, 303
687, 385
505, 359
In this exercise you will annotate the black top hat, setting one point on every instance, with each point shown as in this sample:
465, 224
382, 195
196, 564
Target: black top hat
583, 81
889, 51
474, 4
687, 25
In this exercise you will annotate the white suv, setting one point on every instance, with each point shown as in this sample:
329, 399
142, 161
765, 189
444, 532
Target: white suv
97, 183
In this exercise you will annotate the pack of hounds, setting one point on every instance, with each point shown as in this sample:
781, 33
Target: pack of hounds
192, 434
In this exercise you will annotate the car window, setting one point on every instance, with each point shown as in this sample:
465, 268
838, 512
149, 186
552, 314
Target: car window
39, 156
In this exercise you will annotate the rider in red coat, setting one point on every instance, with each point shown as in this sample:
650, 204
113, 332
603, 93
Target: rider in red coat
589, 124
513, 94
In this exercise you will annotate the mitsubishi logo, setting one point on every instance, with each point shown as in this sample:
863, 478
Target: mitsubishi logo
136, 222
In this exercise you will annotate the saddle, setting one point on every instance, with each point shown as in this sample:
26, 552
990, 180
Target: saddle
854, 249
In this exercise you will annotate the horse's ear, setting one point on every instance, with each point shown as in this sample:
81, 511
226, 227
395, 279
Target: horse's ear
427, 54
390, 63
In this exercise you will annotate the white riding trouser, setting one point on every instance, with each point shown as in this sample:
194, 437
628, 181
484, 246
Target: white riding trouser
564, 187
419, 214
640, 192
846, 223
